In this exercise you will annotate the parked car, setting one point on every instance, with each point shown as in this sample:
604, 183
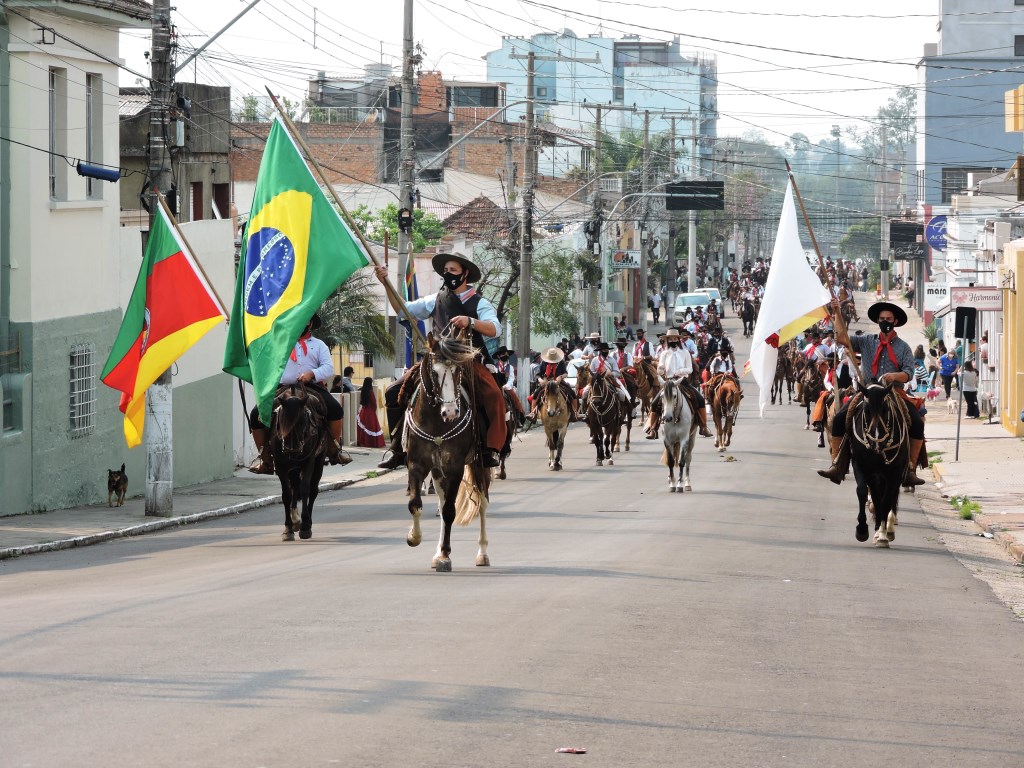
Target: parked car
686, 301
714, 293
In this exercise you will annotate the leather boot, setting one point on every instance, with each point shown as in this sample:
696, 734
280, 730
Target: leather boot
336, 454
702, 418
841, 463
911, 478
396, 422
266, 462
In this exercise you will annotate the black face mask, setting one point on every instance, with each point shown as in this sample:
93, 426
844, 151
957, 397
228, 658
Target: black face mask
885, 326
673, 344
452, 282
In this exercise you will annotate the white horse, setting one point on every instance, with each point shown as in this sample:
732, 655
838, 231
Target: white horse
680, 435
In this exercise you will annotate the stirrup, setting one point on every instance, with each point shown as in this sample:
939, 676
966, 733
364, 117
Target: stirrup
397, 460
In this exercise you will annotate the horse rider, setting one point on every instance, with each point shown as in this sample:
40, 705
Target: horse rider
687, 342
623, 359
309, 363
604, 364
459, 305
508, 372
677, 364
553, 366
590, 349
643, 347
718, 341
887, 359
721, 363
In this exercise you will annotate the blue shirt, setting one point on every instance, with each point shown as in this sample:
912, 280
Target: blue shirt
316, 358
948, 365
423, 309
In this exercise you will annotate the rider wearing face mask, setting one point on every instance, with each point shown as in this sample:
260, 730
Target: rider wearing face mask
460, 306
887, 359
677, 364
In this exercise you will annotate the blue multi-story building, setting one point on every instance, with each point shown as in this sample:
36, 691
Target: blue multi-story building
574, 74
962, 81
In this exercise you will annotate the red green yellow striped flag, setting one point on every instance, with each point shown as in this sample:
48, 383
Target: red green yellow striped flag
171, 308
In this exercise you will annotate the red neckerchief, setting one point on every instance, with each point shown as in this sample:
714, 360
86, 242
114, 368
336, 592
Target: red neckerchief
550, 370
600, 364
301, 343
467, 294
621, 359
884, 343
638, 350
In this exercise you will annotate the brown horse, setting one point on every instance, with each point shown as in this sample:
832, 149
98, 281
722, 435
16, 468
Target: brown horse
442, 441
554, 414
724, 397
604, 413
647, 385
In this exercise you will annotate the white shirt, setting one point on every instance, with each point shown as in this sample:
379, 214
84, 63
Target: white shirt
718, 365
510, 374
576, 354
675, 363
656, 300
605, 363
316, 358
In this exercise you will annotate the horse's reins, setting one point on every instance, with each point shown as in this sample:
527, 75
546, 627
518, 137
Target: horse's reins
893, 429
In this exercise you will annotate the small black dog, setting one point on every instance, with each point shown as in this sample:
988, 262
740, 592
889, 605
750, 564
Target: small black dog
117, 486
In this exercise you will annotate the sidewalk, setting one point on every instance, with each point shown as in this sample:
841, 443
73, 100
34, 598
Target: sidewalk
990, 467
80, 526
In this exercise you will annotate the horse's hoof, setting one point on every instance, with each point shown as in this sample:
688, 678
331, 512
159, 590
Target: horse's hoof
600, 463
627, 448
483, 560
688, 487
558, 467
610, 462
722, 449
881, 541
502, 475
807, 426
671, 489
306, 534
444, 565
413, 541
288, 536
862, 532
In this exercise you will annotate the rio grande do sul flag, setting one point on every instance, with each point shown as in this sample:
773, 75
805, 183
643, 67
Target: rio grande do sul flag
171, 308
296, 251
794, 298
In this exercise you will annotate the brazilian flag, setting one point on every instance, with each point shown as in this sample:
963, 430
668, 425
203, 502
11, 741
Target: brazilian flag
296, 251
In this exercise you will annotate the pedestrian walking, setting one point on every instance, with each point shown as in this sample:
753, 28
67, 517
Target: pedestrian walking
655, 303
948, 365
969, 389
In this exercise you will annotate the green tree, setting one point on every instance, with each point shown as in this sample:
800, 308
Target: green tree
352, 319
250, 111
427, 229
556, 269
864, 239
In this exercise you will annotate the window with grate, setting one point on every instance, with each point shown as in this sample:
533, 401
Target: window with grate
82, 408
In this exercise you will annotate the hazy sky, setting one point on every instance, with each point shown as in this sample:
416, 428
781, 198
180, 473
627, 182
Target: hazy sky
781, 65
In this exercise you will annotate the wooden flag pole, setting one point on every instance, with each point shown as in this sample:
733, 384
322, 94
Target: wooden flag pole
839, 321
177, 228
397, 302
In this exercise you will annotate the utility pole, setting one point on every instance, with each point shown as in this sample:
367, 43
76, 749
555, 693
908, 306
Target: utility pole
407, 162
159, 498
640, 316
597, 302
885, 218
670, 299
526, 239
691, 256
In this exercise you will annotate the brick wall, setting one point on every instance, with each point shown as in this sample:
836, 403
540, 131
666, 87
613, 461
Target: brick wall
348, 152
433, 98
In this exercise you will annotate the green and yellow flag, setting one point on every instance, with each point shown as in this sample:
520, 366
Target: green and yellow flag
296, 251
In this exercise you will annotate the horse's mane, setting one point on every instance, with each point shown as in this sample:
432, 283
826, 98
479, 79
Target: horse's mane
454, 349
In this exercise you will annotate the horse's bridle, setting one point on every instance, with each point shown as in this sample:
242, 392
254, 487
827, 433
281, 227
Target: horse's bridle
891, 429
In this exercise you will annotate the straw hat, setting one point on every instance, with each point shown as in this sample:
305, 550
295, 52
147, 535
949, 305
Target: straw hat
552, 355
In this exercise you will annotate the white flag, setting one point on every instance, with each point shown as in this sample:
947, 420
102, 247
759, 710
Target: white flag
794, 298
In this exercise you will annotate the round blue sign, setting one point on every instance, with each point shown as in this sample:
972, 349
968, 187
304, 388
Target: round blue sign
935, 232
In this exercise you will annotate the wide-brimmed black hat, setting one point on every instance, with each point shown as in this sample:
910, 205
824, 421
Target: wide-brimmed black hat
502, 350
621, 341
314, 322
875, 309
639, 331
441, 259
603, 345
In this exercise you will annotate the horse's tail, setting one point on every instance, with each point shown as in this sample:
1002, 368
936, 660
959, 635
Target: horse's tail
472, 499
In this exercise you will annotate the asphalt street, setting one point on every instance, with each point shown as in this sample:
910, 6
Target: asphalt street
737, 625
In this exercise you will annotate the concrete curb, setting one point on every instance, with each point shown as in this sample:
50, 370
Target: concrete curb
170, 522
1011, 543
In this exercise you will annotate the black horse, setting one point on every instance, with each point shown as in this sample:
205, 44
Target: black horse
877, 426
748, 315
298, 440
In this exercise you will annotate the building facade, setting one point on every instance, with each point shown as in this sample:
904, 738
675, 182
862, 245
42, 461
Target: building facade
962, 79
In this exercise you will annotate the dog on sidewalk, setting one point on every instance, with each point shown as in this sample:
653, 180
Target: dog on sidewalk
117, 486
952, 404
